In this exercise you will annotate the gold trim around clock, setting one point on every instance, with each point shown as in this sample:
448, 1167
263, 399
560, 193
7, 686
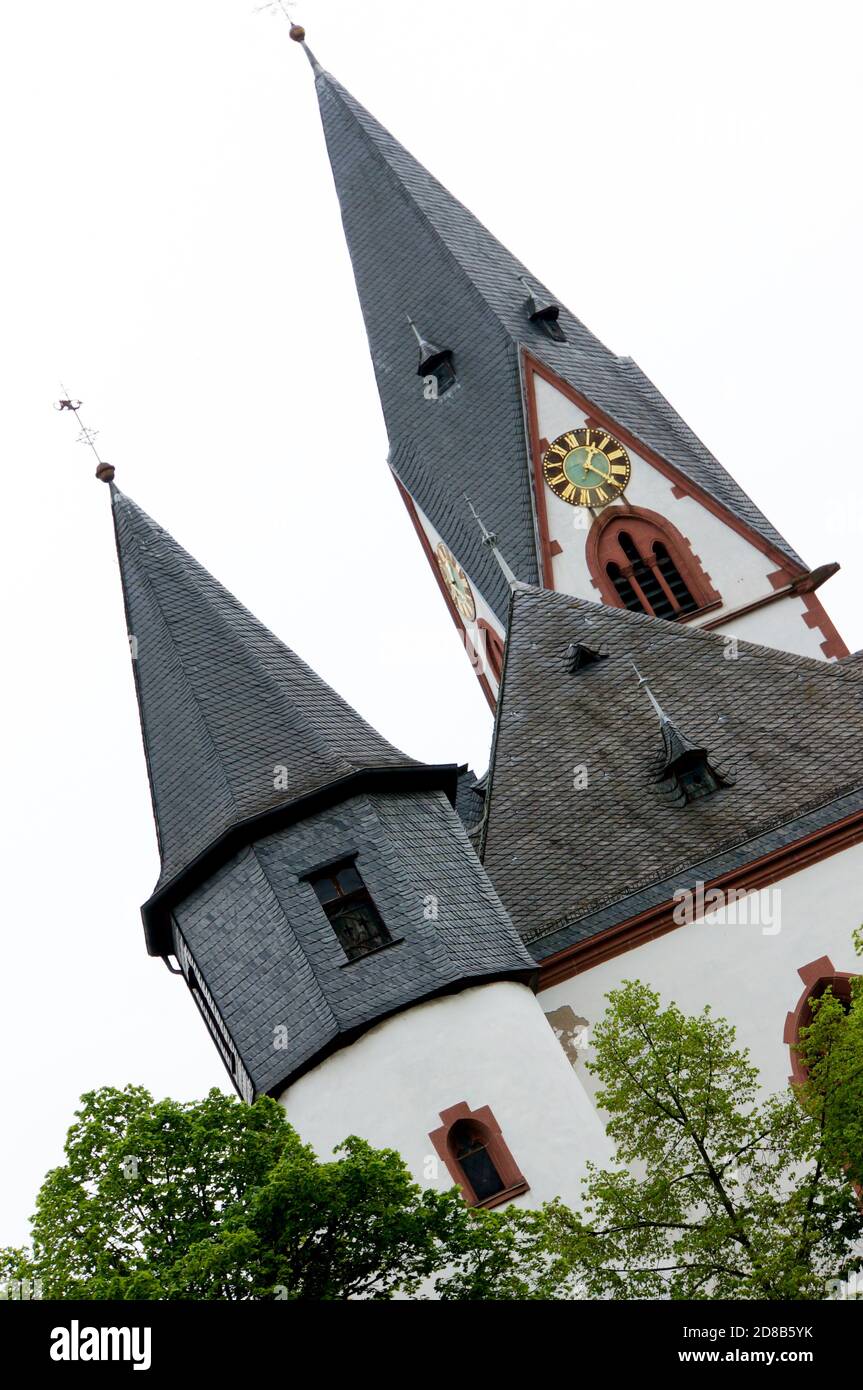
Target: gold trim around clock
586, 467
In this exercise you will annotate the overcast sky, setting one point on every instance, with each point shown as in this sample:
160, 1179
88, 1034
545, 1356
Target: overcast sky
684, 176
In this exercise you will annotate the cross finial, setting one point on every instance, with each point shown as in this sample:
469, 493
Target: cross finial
642, 680
104, 470
490, 539
297, 32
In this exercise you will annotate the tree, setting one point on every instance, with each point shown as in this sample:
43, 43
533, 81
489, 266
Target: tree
220, 1200
715, 1193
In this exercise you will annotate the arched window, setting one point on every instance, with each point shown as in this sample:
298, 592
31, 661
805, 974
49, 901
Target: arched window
639, 561
477, 1156
468, 1144
493, 645
818, 976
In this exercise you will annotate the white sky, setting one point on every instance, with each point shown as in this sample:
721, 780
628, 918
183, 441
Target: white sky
684, 176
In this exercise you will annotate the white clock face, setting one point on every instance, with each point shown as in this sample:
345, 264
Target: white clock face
456, 582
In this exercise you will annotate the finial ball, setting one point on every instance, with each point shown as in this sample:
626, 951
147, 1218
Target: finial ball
298, 33
105, 472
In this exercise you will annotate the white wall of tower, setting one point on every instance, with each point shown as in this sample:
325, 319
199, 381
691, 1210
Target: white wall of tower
486, 1045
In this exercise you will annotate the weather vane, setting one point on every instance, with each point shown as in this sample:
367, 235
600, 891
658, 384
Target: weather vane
104, 470
274, 5
298, 33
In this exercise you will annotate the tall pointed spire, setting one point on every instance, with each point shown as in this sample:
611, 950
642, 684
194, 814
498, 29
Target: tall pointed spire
413, 245
235, 725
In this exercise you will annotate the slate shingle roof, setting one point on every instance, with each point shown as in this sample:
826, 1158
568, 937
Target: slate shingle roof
788, 729
416, 250
222, 701
270, 958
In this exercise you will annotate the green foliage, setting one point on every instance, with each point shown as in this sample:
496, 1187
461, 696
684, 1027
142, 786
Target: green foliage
717, 1193
220, 1200
831, 1049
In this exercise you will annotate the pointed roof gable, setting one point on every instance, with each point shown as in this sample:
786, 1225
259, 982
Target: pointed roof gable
224, 705
417, 250
571, 859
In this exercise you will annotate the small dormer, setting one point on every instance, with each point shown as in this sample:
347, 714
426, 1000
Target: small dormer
578, 656
687, 772
544, 313
435, 366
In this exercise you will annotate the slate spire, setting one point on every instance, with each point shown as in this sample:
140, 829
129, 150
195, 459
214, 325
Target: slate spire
235, 725
415, 248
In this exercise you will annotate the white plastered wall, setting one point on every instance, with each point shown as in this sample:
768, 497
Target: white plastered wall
744, 968
487, 1045
737, 569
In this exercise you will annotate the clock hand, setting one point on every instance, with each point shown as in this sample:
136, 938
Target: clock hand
594, 469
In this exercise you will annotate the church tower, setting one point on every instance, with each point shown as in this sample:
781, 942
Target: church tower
496, 396
324, 905
397, 951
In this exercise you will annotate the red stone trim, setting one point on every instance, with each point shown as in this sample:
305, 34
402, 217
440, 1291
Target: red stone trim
816, 976
816, 616
688, 488
493, 644
679, 547
780, 579
656, 921
538, 447
512, 1178
453, 611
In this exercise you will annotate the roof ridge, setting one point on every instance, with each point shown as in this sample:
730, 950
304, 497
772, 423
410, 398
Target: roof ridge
692, 631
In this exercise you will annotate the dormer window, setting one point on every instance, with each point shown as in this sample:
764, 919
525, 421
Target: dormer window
687, 772
343, 895
544, 313
435, 365
578, 656
440, 369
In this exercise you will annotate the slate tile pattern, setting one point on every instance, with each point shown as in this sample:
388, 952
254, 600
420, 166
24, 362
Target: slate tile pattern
222, 701
788, 729
269, 957
416, 250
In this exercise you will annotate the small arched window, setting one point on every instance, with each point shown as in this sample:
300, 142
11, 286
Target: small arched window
477, 1156
640, 562
818, 976
493, 646
469, 1147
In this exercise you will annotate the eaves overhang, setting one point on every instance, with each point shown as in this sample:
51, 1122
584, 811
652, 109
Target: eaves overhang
156, 911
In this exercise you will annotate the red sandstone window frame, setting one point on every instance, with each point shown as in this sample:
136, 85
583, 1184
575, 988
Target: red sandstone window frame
646, 529
492, 644
484, 1122
817, 976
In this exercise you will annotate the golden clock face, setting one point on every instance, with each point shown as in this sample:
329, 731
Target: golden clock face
586, 467
456, 582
